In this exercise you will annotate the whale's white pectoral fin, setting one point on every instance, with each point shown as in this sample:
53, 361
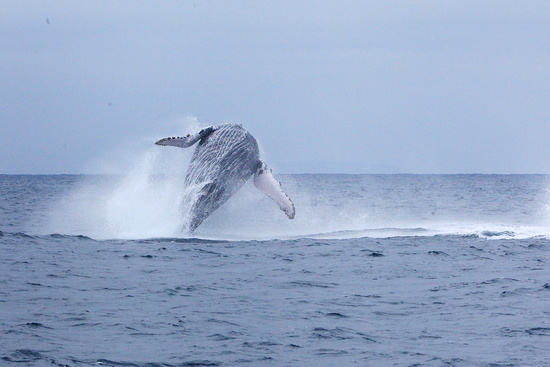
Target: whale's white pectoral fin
185, 141
264, 180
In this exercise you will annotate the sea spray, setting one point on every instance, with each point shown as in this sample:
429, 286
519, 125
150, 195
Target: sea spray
250, 214
145, 199
145, 204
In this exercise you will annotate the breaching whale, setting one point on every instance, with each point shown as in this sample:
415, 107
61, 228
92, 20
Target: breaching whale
224, 159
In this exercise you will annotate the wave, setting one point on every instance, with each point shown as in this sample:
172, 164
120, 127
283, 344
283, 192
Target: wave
31, 357
486, 231
489, 232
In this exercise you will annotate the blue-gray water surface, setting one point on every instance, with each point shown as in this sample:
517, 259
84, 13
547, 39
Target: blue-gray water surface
376, 270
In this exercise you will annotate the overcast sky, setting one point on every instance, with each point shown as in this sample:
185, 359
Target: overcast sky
325, 86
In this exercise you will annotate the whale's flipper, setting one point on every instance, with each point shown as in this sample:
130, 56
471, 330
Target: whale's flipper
264, 180
186, 141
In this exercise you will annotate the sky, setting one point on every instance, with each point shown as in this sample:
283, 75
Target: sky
325, 86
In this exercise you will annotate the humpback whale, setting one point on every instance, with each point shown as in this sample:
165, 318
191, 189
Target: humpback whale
224, 159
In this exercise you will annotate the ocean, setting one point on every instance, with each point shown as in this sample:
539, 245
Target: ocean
375, 270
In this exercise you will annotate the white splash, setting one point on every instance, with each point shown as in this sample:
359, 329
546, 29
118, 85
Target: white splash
145, 204
147, 200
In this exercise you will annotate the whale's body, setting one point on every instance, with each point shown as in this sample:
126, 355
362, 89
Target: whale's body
224, 159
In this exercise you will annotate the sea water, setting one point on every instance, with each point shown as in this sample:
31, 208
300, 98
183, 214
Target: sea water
375, 270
